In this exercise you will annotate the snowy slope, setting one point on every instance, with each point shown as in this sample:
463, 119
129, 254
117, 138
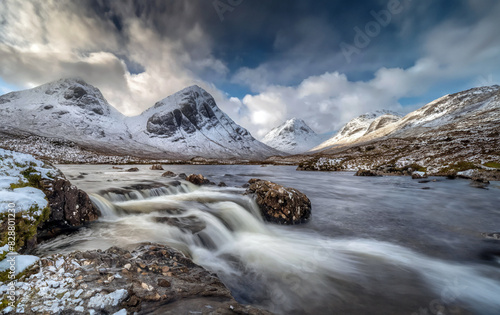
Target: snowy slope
361, 126
190, 121
183, 125
470, 109
460, 127
294, 136
69, 109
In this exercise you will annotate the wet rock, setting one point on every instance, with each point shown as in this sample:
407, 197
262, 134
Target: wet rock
479, 183
133, 169
495, 236
222, 184
168, 174
278, 204
182, 176
199, 180
156, 167
418, 175
117, 168
366, 173
70, 207
189, 223
115, 288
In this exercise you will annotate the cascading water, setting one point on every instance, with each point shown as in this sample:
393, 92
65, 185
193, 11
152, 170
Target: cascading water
287, 270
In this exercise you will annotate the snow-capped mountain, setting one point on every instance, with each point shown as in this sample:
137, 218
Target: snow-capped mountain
184, 125
361, 126
460, 127
190, 121
67, 109
294, 136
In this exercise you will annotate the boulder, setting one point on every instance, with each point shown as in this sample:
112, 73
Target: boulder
199, 180
70, 207
168, 174
156, 167
152, 279
366, 173
182, 176
418, 175
278, 204
133, 169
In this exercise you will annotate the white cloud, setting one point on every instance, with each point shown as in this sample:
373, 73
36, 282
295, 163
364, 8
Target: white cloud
452, 51
41, 43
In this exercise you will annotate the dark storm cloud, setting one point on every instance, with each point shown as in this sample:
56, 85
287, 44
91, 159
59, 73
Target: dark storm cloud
287, 55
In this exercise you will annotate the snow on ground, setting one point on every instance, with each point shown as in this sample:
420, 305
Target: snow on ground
21, 262
11, 166
26, 201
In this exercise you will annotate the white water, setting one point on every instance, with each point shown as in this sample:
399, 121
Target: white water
288, 270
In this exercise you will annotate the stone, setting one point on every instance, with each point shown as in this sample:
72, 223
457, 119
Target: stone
197, 179
143, 293
278, 204
133, 169
418, 175
164, 283
366, 173
70, 208
156, 167
168, 174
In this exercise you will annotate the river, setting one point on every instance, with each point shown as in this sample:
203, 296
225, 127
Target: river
374, 245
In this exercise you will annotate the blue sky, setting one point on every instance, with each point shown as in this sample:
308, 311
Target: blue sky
263, 61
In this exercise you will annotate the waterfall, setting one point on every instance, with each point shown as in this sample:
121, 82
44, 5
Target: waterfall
286, 269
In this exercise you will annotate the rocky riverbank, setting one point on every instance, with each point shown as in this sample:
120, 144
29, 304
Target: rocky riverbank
151, 279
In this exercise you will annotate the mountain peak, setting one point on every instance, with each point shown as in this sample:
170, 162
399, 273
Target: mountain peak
293, 136
67, 92
294, 125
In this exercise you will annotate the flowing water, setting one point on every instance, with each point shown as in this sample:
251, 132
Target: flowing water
379, 245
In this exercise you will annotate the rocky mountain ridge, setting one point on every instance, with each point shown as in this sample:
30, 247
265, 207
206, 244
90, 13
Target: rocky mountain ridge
454, 133
181, 126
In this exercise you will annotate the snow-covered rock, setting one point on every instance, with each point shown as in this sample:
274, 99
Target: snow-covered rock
24, 198
75, 114
361, 126
294, 136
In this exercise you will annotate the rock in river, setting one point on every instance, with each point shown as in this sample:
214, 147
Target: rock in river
278, 204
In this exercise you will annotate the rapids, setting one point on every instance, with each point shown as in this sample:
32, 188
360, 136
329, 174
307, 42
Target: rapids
373, 246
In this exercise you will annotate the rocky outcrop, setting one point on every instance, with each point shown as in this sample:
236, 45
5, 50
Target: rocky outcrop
280, 204
156, 167
70, 207
168, 174
152, 279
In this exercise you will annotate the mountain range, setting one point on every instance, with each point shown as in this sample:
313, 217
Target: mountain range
70, 121
74, 113
457, 131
